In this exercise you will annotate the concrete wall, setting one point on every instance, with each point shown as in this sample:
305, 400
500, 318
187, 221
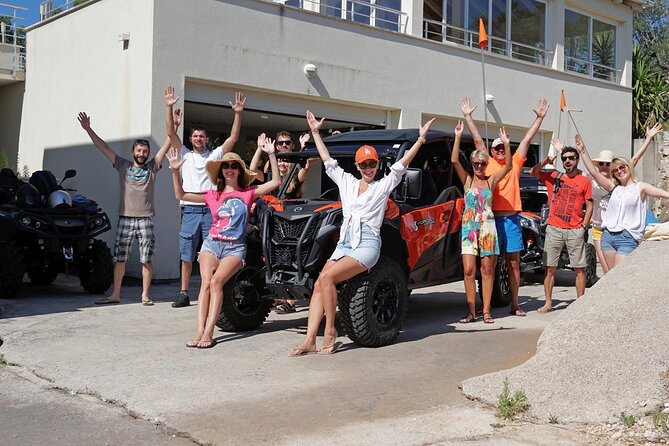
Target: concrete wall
11, 98
209, 48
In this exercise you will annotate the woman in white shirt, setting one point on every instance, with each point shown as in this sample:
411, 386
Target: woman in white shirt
364, 203
624, 222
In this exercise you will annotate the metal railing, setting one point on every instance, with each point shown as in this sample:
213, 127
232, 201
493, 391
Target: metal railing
50, 8
363, 12
591, 69
444, 32
12, 38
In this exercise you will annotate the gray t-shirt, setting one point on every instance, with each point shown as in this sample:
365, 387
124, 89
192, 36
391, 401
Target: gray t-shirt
137, 186
600, 201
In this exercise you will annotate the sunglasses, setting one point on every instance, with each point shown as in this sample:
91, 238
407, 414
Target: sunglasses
368, 164
603, 164
284, 143
569, 158
479, 164
499, 148
232, 165
620, 169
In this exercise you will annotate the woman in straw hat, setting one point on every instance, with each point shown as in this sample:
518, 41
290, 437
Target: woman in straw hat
223, 251
624, 221
364, 203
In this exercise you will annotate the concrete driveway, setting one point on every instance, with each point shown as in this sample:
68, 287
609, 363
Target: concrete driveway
246, 390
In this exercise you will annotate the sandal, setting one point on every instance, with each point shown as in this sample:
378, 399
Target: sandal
469, 317
487, 318
517, 312
147, 302
285, 308
106, 301
545, 309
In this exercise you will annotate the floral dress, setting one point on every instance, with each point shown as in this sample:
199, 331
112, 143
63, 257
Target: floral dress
479, 234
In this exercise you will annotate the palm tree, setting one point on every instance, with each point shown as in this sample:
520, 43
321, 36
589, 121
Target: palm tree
650, 92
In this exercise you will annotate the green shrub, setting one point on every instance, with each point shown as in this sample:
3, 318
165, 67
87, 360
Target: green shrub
508, 406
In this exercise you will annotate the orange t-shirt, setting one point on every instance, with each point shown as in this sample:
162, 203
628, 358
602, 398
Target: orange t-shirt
506, 196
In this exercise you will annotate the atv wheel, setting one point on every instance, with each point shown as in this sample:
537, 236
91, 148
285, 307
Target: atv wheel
96, 268
590, 265
373, 305
501, 291
11, 269
245, 305
44, 274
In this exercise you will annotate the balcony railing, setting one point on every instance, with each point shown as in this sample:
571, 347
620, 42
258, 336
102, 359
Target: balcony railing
444, 32
591, 69
12, 42
50, 8
364, 12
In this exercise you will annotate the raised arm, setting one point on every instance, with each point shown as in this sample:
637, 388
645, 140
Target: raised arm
540, 113
650, 134
606, 183
257, 158
175, 165
237, 108
508, 163
536, 169
455, 153
411, 153
102, 146
266, 188
170, 100
467, 110
315, 127
648, 190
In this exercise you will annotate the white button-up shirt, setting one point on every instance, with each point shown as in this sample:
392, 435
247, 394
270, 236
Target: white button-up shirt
370, 206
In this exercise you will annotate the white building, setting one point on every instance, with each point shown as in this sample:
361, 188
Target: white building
386, 63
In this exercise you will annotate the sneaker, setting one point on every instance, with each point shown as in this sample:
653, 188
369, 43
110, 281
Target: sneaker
182, 301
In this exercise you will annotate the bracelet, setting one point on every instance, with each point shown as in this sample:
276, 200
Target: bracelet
421, 140
270, 153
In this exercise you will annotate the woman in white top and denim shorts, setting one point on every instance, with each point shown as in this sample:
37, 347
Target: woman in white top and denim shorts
624, 222
363, 206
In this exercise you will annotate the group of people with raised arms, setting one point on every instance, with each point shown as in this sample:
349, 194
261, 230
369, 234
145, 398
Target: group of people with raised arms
222, 184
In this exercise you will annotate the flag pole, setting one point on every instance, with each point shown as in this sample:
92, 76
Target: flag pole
483, 44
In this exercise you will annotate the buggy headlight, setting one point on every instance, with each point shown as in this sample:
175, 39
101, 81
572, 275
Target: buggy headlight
25, 221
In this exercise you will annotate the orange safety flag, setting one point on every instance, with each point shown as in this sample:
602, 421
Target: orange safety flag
483, 36
563, 101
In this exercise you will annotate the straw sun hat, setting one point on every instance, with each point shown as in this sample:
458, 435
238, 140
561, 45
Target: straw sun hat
213, 168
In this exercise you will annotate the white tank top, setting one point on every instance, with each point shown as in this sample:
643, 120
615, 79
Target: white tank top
626, 211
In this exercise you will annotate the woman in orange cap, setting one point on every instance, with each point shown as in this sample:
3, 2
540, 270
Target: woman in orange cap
363, 207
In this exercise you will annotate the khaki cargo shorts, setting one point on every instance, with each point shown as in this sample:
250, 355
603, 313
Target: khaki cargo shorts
557, 238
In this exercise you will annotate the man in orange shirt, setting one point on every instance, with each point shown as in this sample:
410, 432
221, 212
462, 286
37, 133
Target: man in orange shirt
506, 203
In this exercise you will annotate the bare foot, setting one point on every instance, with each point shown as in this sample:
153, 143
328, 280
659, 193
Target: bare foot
329, 343
305, 348
196, 340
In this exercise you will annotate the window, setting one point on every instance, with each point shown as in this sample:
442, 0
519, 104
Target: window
589, 46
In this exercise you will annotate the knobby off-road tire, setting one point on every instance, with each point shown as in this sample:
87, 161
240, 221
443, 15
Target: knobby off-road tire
501, 291
44, 274
246, 304
11, 269
373, 305
590, 265
96, 268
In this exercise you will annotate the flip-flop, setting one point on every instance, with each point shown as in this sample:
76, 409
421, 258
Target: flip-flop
545, 309
333, 349
106, 301
301, 352
517, 312
147, 302
192, 343
210, 345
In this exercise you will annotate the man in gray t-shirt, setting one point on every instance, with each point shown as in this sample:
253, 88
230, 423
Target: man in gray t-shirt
137, 179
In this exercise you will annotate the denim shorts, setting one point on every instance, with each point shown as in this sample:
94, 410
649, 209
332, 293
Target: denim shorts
509, 233
224, 248
621, 242
367, 252
195, 225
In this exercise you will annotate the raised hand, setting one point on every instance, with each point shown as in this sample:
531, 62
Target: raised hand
84, 120
459, 128
504, 136
177, 116
170, 99
314, 124
557, 144
240, 100
467, 107
424, 129
579, 144
304, 139
652, 131
173, 158
267, 146
542, 109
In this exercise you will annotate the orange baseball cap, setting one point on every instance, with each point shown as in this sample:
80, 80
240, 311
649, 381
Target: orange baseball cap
366, 153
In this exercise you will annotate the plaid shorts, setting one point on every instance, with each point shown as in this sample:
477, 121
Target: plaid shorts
130, 228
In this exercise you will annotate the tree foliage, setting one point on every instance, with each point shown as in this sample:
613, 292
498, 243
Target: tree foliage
651, 32
650, 92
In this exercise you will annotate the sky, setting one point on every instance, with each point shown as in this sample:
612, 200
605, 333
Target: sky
29, 17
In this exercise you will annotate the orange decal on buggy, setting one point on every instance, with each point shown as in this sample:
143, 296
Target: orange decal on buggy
335, 205
422, 228
392, 210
